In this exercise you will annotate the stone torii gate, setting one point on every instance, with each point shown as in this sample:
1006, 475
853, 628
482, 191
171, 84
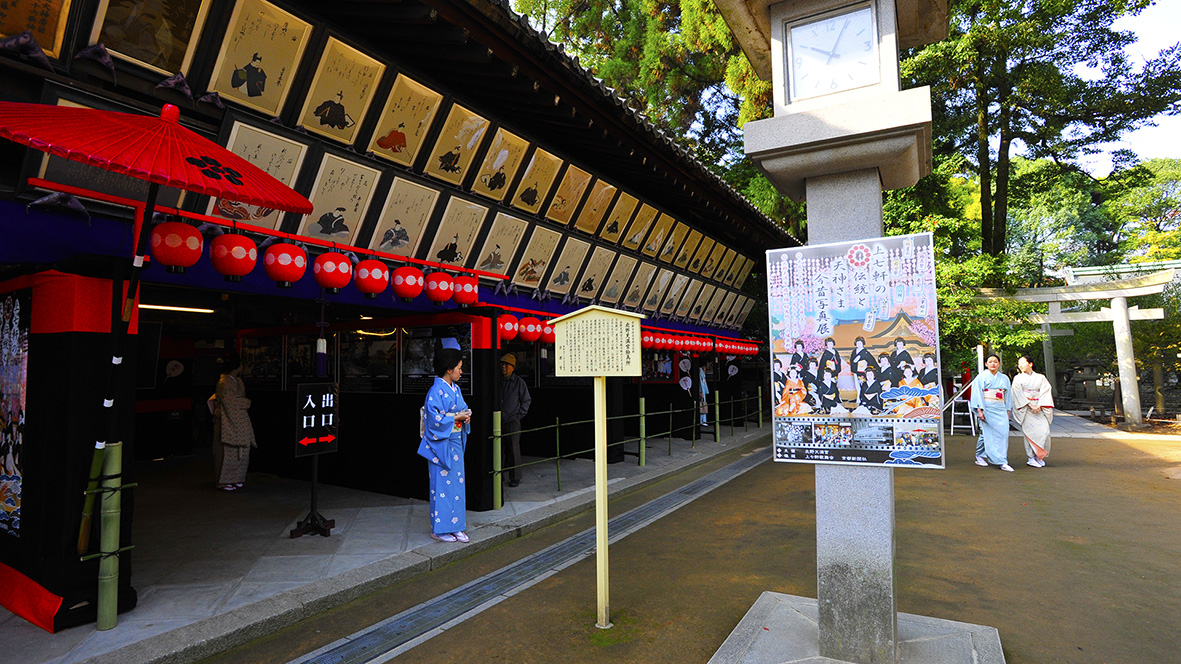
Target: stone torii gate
1119, 314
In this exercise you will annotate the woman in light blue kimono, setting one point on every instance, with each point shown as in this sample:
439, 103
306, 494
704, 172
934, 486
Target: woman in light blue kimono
446, 424
992, 400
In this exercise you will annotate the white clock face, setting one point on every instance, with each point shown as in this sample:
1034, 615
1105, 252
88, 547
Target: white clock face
834, 54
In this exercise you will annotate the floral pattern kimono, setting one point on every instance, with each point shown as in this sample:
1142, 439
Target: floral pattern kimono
443, 443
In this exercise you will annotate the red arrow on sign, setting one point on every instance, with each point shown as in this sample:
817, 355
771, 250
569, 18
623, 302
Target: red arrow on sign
322, 439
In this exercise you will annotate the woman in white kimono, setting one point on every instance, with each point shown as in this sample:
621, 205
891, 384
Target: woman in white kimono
1033, 408
992, 400
233, 434
446, 424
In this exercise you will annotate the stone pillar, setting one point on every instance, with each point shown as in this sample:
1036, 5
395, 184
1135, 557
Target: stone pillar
855, 581
1048, 359
1158, 385
1127, 361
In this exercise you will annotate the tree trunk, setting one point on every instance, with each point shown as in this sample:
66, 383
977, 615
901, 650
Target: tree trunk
1000, 214
983, 159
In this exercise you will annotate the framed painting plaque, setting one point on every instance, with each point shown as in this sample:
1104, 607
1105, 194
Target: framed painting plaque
280, 157
161, 36
457, 145
669, 253
617, 281
687, 300
639, 227
404, 216
501, 244
701, 255
536, 259
461, 223
405, 121
658, 235
340, 199
621, 212
656, 293
597, 203
639, 285
259, 55
342, 90
568, 265
591, 281
568, 195
687, 249
504, 157
535, 184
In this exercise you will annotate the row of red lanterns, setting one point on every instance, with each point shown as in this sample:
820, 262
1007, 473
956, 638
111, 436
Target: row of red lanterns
663, 341
527, 329
177, 245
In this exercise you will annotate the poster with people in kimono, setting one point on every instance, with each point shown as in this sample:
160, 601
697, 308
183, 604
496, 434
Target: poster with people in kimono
855, 339
258, 57
14, 371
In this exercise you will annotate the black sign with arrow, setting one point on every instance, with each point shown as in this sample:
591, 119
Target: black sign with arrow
318, 421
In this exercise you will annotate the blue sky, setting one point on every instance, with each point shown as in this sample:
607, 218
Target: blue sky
1157, 28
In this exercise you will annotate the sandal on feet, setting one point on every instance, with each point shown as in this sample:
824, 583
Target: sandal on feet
462, 537
227, 487
445, 537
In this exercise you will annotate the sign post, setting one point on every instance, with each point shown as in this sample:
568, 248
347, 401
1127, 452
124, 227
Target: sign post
599, 342
317, 413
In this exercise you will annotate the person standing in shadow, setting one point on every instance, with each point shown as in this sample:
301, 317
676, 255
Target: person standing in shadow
514, 405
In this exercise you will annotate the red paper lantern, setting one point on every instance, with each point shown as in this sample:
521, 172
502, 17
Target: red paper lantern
176, 245
707, 345
662, 342
332, 271
408, 282
467, 291
547, 334
507, 326
679, 343
646, 340
372, 277
285, 263
233, 255
439, 286
530, 329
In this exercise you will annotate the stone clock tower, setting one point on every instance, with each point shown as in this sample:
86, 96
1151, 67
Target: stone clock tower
843, 132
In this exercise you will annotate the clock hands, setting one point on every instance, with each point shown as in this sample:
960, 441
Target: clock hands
840, 34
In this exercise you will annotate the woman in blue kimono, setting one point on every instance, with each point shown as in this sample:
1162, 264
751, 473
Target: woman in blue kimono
446, 424
992, 400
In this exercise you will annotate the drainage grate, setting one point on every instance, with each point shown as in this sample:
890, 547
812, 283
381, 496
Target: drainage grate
382, 639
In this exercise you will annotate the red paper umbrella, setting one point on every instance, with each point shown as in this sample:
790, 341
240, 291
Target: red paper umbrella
530, 329
233, 255
153, 148
176, 245
507, 326
285, 263
467, 291
439, 287
547, 334
156, 149
407, 282
332, 271
372, 277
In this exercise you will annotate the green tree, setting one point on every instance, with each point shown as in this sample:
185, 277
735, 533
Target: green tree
1050, 78
677, 63
1149, 210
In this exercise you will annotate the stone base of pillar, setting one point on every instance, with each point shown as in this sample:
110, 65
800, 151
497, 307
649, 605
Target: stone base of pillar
783, 629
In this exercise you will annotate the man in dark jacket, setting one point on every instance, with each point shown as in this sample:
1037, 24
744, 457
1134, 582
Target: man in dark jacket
514, 405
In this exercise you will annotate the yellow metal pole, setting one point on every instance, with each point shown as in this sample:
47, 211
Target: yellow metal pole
601, 502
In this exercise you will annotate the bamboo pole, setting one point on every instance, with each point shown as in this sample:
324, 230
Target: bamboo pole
497, 463
109, 515
643, 434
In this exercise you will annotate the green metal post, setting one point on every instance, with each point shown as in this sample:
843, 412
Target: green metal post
717, 416
693, 429
497, 463
670, 429
760, 406
643, 435
109, 512
731, 418
745, 412
558, 448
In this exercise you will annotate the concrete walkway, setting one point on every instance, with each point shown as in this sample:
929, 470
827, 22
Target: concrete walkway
214, 569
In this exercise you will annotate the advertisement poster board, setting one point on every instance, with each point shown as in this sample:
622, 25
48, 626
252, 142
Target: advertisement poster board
855, 353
